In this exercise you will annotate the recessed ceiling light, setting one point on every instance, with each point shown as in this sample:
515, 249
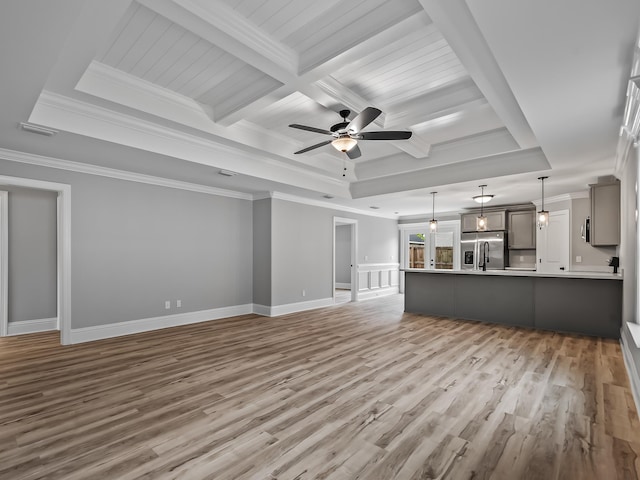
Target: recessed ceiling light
39, 129
227, 173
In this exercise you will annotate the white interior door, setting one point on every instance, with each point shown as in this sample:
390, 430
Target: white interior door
553, 243
444, 247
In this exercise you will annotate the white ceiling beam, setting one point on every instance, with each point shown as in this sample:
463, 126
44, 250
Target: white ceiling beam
417, 146
480, 145
509, 163
327, 91
222, 26
457, 25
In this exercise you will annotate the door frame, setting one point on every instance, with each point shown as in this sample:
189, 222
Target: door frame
354, 256
4, 263
63, 223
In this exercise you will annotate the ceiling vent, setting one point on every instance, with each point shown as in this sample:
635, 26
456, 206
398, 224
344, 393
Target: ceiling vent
39, 129
227, 173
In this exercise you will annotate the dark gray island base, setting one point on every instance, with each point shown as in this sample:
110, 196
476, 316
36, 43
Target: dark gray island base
589, 304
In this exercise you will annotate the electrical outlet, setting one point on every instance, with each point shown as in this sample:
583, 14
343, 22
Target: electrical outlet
178, 303
578, 259
167, 304
522, 258
304, 293
366, 257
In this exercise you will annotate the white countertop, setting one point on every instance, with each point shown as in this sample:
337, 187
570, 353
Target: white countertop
521, 273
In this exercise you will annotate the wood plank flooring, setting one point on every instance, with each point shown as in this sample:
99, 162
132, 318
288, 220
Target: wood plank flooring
353, 391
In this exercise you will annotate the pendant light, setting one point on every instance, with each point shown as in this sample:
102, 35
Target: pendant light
433, 224
543, 215
481, 221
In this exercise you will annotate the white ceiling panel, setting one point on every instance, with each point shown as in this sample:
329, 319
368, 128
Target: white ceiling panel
409, 67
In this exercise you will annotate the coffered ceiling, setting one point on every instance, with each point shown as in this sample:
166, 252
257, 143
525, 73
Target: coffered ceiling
494, 91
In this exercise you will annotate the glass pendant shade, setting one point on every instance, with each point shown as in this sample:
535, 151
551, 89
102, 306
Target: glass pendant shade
481, 223
433, 224
543, 215
344, 144
543, 218
483, 198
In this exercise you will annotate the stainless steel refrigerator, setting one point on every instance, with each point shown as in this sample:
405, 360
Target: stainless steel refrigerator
478, 248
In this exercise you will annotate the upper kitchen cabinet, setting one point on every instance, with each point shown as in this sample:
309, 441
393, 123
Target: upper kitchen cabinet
605, 214
522, 229
495, 221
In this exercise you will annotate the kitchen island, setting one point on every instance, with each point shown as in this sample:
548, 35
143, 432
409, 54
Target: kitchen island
589, 303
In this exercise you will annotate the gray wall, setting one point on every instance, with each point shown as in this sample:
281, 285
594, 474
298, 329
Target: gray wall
591, 256
135, 246
302, 249
262, 252
32, 254
301, 253
343, 254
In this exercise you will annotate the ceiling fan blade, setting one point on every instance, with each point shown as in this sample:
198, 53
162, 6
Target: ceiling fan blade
365, 117
388, 135
317, 145
354, 152
311, 129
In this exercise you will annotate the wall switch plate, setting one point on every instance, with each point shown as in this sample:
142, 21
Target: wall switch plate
178, 303
167, 304
522, 258
304, 293
578, 259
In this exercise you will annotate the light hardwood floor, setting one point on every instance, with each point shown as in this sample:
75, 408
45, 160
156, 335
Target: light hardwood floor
353, 391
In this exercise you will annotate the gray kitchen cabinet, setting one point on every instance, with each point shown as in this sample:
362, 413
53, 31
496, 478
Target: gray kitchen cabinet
605, 214
522, 230
495, 221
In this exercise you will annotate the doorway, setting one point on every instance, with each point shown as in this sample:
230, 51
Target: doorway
345, 278
63, 254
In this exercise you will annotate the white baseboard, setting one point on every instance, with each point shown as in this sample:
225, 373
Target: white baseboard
23, 327
378, 292
632, 371
344, 286
100, 332
277, 310
263, 310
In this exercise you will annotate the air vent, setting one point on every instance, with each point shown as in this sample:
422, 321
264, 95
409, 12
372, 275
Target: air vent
227, 173
39, 129
375, 208
328, 196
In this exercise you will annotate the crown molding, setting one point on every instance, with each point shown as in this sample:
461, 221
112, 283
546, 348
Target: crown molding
98, 122
565, 197
77, 167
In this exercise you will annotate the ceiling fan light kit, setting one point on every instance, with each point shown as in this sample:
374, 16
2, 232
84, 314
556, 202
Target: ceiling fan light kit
344, 144
347, 133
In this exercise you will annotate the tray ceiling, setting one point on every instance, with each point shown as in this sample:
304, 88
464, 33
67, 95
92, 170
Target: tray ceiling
217, 82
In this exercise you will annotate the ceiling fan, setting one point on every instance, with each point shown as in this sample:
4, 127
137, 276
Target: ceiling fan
347, 133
